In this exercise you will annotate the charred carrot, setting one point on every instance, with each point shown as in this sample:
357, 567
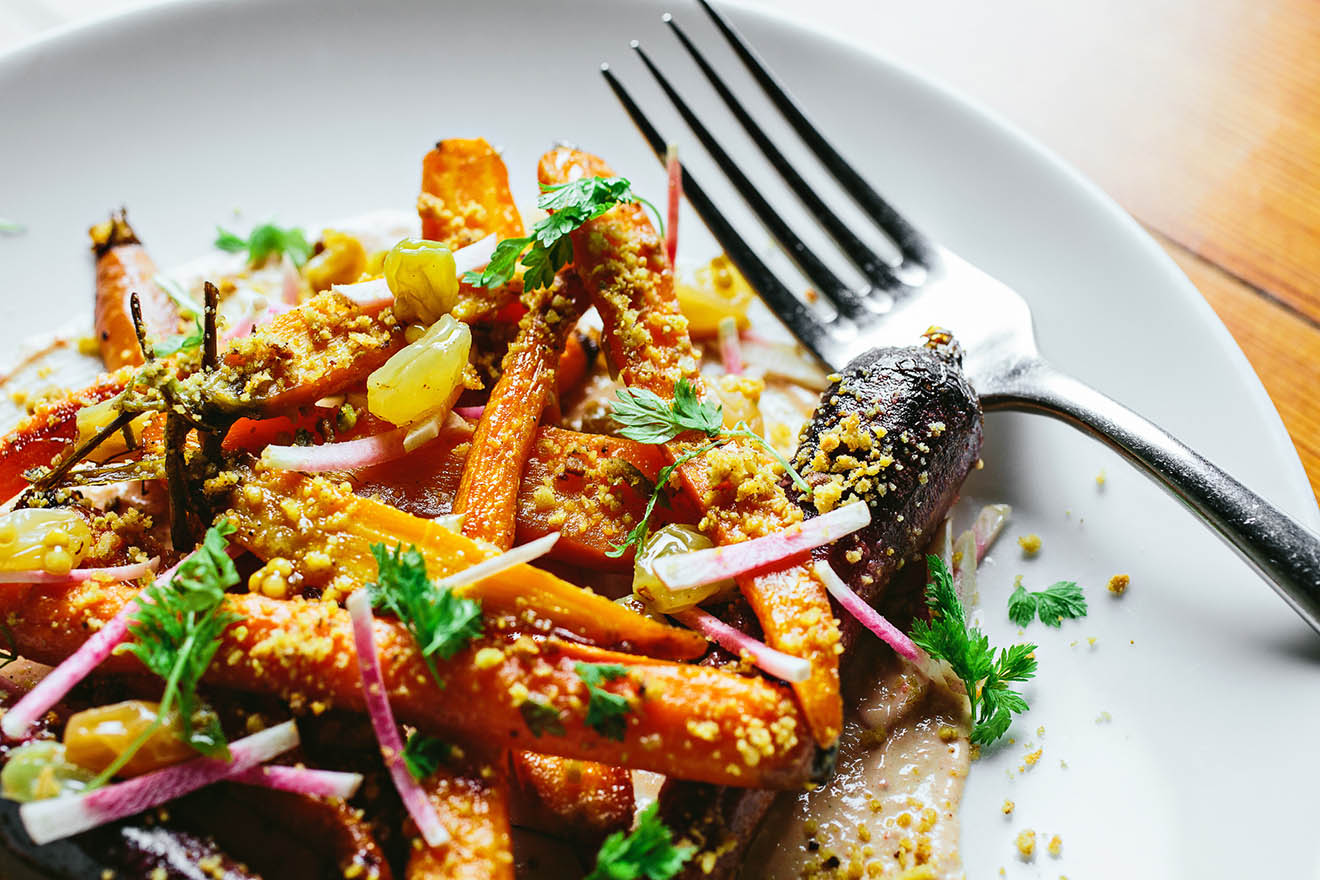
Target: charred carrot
581, 800
488, 492
123, 267
473, 807
465, 194
580, 350
505, 689
326, 532
623, 265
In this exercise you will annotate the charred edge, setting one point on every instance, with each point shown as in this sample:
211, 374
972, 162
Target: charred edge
82, 451
590, 347
176, 480
210, 344
113, 233
140, 327
822, 763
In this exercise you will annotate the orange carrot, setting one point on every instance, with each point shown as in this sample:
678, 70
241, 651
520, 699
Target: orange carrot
473, 808
465, 194
123, 267
580, 800
624, 267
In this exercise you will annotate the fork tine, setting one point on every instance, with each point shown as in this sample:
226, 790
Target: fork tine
911, 243
876, 270
793, 312
843, 297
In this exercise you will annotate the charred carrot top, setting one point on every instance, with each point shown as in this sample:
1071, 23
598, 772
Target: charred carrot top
123, 267
509, 689
488, 493
624, 267
324, 533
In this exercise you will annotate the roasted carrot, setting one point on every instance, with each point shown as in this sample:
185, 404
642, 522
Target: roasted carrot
509, 689
488, 492
580, 800
123, 267
580, 350
465, 194
473, 807
623, 265
334, 524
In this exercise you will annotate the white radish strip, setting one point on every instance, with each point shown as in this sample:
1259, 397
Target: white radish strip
291, 287
475, 255
675, 171
302, 780
782, 361
77, 575
730, 345
767, 659
989, 523
364, 452
333, 401
686, 570
964, 566
865, 614
62, 817
368, 295
80, 663
496, 564
382, 719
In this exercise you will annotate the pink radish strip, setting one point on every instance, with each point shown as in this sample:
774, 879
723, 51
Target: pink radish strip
687, 570
77, 575
766, 658
675, 194
382, 719
302, 780
62, 817
53, 688
471, 413
730, 346
354, 454
865, 614
292, 281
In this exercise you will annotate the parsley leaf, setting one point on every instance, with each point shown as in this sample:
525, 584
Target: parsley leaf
967, 650
646, 417
541, 717
11, 227
548, 249
441, 622
1053, 604
423, 754
173, 344
605, 710
648, 851
264, 241
176, 629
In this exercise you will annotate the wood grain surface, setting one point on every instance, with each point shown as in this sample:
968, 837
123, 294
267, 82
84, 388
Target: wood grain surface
1201, 117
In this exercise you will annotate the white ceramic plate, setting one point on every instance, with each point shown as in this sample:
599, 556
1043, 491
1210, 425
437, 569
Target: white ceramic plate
303, 111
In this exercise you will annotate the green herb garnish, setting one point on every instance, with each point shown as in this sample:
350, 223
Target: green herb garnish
441, 622
647, 851
1053, 604
423, 754
264, 241
548, 249
985, 676
541, 717
172, 344
176, 629
11, 227
647, 417
605, 710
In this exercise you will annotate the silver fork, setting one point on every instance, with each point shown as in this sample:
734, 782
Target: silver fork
932, 285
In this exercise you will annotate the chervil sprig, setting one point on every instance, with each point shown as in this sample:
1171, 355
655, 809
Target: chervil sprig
646, 417
1057, 602
967, 650
648, 851
266, 240
175, 631
548, 249
423, 754
606, 712
441, 622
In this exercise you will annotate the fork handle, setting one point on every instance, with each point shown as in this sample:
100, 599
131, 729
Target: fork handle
1286, 552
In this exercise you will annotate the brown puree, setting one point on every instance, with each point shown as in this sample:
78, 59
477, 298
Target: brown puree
891, 809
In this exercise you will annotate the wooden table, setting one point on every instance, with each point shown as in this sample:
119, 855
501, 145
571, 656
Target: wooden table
1201, 117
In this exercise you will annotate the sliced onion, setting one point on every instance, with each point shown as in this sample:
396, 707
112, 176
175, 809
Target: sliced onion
675, 172
686, 570
474, 256
730, 345
55, 686
964, 566
989, 523
382, 720
865, 614
302, 780
508, 559
767, 659
367, 295
364, 452
783, 361
471, 413
115, 573
62, 817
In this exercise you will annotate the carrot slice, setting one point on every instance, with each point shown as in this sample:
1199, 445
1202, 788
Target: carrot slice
472, 802
624, 267
580, 800
465, 194
123, 267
